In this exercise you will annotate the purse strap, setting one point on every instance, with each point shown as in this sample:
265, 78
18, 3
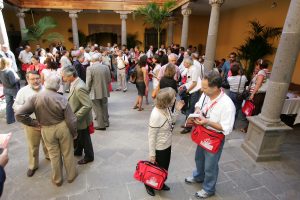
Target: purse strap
239, 84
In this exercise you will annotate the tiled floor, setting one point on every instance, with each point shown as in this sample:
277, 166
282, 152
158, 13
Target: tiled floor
117, 150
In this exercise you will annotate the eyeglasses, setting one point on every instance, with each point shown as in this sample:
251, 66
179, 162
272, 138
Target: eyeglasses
33, 79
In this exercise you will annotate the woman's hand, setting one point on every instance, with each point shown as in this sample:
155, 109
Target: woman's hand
251, 97
146, 91
152, 159
179, 105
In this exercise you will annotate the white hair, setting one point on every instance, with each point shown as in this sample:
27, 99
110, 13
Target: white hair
52, 82
188, 60
172, 55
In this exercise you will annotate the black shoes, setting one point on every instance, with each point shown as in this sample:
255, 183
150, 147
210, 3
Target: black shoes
84, 161
101, 129
185, 130
150, 190
165, 188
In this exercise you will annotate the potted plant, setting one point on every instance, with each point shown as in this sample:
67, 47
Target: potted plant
155, 15
258, 45
38, 31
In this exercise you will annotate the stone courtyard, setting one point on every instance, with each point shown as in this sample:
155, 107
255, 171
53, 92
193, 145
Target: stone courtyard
117, 150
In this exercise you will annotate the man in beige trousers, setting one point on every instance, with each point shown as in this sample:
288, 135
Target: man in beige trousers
33, 134
58, 124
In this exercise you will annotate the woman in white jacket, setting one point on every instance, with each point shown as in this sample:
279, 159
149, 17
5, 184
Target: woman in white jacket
161, 125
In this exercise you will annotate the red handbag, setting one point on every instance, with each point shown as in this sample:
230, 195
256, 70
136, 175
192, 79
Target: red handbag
150, 174
248, 108
91, 128
208, 139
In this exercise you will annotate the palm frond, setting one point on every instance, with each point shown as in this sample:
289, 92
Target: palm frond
45, 24
51, 37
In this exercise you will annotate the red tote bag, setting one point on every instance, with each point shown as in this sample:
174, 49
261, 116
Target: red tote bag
208, 139
248, 108
150, 174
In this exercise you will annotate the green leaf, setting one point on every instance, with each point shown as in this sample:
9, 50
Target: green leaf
54, 36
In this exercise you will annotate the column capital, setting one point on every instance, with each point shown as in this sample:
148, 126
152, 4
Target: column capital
171, 20
186, 10
211, 2
73, 13
20, 12
123, 14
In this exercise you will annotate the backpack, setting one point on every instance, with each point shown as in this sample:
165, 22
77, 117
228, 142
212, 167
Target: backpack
133, 75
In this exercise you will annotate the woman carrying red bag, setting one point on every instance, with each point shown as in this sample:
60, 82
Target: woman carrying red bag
160, 130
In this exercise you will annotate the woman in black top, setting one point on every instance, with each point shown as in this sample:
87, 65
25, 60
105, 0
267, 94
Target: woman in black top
168, 79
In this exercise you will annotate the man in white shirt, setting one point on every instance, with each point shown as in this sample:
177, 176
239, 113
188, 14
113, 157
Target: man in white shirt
218, 113
87, 57
172, 59
150, 52
122, 61
191, 88
33, 134
25, 58
6, 53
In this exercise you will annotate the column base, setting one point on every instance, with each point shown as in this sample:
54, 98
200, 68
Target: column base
263, 139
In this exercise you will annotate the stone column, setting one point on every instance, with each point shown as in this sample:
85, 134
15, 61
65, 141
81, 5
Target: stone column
21, 16
186, 12
73, 15
123, 17
212, 35
171, 22
266, 131
3, 32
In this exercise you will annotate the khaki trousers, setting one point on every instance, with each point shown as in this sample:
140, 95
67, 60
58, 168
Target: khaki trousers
59, 143
34, 137
121, 76
101, 111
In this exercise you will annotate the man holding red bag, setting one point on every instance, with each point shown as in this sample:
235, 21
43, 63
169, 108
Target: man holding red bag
217, 113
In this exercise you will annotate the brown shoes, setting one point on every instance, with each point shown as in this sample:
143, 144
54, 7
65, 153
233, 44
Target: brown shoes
57, 184
30, 172
71, 181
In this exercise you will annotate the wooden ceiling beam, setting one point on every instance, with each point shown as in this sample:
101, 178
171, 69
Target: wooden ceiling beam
87, 4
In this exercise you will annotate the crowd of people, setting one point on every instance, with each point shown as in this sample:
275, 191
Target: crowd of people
62, 88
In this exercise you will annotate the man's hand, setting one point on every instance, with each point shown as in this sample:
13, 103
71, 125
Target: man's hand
152, 159
4, 158
197, 110
201, 121
75, 137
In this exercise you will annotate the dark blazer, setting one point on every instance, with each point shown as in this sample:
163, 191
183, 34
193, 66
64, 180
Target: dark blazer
168, 82
9, 82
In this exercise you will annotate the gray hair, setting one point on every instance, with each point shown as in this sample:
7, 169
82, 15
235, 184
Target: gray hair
188, 60
96, 57
172, 55
164, 98
69, 71
52, 82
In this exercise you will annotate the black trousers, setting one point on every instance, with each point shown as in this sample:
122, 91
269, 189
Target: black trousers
163, 158
84, 143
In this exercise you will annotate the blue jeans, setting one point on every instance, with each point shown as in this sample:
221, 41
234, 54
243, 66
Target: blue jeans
237, 103
207, 168
10, 116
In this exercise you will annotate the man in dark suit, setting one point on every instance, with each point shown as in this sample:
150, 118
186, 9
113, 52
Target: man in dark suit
81, 105
97, 81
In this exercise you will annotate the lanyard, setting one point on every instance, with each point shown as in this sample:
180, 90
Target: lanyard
213, 104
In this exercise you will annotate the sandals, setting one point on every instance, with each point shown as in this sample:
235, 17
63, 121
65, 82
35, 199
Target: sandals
135, 107
140, 109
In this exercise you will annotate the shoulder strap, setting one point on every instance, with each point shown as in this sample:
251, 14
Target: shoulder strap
239, 85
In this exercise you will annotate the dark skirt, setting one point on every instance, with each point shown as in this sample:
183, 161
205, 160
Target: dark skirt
141, 88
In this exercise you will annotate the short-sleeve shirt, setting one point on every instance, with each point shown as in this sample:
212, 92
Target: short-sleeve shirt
25, 57
222, 112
